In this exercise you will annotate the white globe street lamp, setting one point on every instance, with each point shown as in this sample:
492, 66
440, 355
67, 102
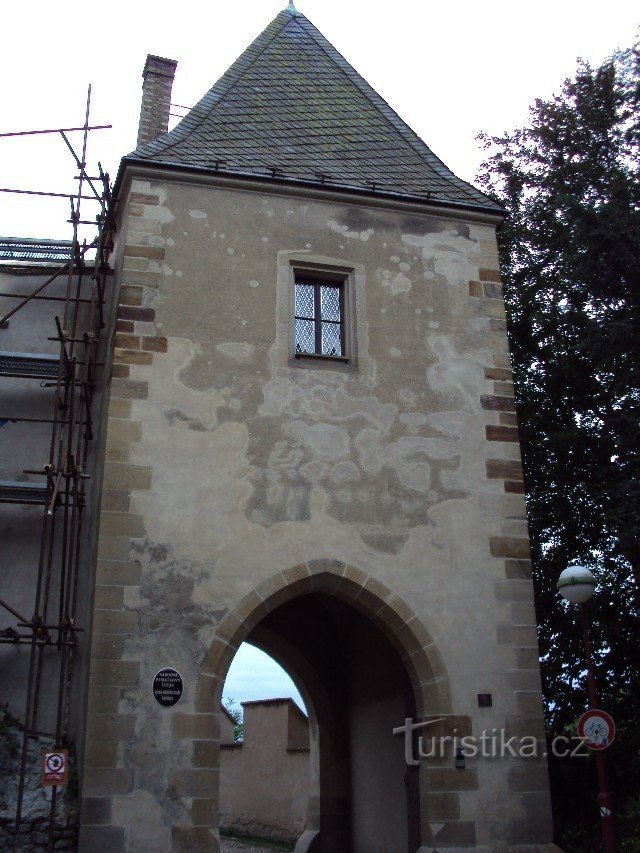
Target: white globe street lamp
576, 585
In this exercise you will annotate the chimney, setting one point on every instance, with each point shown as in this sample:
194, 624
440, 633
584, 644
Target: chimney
157, 80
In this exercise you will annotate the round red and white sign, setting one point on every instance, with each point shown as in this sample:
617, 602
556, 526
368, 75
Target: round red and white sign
597, 729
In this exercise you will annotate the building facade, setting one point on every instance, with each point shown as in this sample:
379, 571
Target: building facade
54, 307
311, 445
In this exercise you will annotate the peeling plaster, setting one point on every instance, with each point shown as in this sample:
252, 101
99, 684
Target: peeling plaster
237, 350
344, 231
159, 214
455, 375
344, 472
325, 440
413, 419
394, 282
444, 253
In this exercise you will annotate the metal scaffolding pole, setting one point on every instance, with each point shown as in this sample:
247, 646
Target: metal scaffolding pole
52, 631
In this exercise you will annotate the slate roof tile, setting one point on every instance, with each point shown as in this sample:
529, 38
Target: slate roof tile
292, 101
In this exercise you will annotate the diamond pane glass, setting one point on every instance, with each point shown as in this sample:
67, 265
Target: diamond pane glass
330, 302
331, 339
304, 300
305, 336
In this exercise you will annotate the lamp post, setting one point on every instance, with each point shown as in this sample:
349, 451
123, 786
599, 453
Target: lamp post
577, 584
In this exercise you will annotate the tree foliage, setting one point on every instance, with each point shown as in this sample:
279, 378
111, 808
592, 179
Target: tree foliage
570, 254
235, 712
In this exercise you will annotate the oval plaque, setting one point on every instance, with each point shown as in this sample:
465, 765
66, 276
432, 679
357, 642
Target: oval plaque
167, 687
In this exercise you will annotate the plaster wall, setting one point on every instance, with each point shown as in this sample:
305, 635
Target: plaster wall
264, 781
229, 462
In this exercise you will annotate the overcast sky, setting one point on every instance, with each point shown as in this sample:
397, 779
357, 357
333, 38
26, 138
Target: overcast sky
253, 675
450, 70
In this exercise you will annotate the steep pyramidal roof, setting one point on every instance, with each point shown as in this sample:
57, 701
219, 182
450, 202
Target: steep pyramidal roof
291, 108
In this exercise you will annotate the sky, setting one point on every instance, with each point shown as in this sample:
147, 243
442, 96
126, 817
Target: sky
254, 675
450, 70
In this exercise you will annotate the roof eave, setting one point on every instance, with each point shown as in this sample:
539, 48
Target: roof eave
492, 211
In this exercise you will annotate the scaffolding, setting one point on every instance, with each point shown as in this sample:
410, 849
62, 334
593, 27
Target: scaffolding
50, 631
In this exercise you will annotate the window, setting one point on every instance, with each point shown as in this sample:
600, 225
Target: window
319, 316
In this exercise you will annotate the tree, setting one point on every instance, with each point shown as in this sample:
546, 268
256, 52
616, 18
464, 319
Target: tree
570, 254
235, 712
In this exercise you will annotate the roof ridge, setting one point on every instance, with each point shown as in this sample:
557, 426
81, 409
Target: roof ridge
190, 123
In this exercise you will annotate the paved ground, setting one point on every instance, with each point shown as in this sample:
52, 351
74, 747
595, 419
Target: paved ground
231, 846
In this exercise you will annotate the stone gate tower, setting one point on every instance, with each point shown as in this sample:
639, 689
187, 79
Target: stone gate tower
312, 445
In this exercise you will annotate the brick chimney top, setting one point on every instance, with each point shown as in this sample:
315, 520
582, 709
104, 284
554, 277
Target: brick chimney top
157, 81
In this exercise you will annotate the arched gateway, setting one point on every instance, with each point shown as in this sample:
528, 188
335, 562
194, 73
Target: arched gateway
364, 664
311, 444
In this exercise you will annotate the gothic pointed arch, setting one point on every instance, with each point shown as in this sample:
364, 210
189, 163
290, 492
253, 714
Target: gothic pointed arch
356, 587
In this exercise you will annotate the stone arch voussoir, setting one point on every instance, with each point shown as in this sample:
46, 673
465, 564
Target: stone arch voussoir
363, 591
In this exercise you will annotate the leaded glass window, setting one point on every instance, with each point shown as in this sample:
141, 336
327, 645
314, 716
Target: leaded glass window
319, 317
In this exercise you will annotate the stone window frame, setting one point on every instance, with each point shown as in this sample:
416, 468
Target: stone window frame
343, 275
